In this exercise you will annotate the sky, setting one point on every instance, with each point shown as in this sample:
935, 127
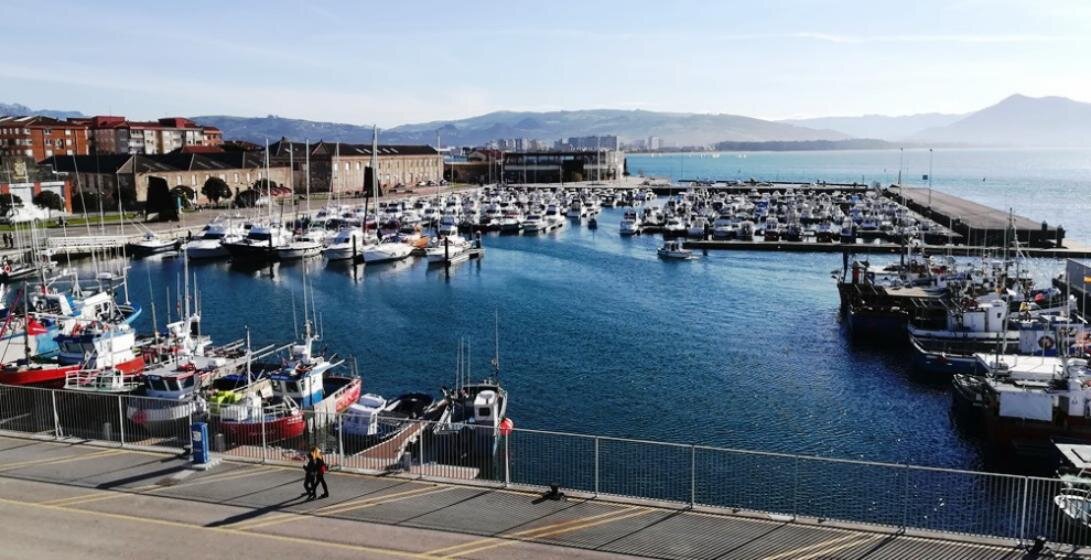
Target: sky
392, 63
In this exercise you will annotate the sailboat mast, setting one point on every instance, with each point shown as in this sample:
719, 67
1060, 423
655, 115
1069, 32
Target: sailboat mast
307, 166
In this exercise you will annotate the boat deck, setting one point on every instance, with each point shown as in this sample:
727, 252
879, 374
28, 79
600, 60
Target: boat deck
78, 492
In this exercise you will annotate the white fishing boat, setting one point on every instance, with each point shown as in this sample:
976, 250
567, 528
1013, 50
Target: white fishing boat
390, 249
673, 250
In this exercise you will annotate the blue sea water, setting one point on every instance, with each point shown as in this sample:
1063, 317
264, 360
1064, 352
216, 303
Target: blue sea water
597, 335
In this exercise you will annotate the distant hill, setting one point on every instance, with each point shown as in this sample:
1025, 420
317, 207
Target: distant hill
806, 145
1019, 121
673, 128
17, 109
880, 126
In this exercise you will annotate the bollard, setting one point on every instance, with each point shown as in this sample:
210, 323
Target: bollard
218, 443
107, 431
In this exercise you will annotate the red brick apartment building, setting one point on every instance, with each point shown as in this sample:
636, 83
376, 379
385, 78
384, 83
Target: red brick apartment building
42, 137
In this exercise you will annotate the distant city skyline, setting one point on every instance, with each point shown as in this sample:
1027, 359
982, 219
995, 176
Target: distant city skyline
392, 64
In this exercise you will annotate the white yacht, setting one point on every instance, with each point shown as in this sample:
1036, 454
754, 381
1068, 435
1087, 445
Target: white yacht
452, 249
210, 243
553, 217
535, 223
697, 227
448, 224
630, 223
388, 250
349, 242
301, 247
673, 250
261, 242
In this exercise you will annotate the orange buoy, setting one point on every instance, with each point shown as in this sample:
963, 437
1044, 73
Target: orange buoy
506, 427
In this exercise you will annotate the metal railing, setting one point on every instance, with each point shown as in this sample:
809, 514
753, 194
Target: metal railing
780, 486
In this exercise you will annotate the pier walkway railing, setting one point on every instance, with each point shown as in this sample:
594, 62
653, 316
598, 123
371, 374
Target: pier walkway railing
777, 486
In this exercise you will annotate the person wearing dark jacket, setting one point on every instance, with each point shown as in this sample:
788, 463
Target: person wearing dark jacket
316, 470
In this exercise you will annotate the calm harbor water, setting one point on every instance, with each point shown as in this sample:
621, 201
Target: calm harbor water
597, 335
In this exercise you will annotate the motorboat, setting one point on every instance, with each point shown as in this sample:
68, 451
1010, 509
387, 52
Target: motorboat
673, 250
210, 243
151, 244
450, 249
349, 242
261, 243
300, 247
534, 223
388, 250
630, 223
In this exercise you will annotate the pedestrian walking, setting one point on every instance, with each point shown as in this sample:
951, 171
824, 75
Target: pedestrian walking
316, 474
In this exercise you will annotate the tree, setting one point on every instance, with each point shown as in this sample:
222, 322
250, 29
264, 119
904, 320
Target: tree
49, 200
183, 196
7, 200
86, 201
160, 200
265, 186
247, 199
215, 189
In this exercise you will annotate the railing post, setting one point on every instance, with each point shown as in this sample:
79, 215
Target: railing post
341, 442
507, 462
56, 418
1023, 516
263, 453
905, 501
121, 420
420, 449
692, 476
189, 430
596, 466
795, 489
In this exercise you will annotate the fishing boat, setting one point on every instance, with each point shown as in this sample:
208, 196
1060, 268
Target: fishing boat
388, 250
1023, 401
1074, 499
674, 250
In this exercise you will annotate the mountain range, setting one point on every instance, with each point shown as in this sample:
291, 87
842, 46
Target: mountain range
1018, 120
19, 109
673, 128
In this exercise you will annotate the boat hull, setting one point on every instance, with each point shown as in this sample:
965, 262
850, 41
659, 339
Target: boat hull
46, 375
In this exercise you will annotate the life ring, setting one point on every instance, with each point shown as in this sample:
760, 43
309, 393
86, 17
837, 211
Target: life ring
1047, 342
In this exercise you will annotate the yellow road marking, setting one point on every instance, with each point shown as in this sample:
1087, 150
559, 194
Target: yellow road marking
96, 496
842, 546
808, 548
57, 460
517, 534
552, 533
378, 502
226, 530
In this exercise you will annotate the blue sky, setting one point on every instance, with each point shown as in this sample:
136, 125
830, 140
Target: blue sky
396, 62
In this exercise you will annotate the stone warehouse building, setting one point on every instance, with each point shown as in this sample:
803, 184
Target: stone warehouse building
23, 177
342, 168
130, 172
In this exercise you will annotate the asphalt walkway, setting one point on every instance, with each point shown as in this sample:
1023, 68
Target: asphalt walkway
62, 500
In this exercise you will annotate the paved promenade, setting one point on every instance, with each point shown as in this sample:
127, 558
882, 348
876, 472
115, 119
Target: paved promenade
63, 500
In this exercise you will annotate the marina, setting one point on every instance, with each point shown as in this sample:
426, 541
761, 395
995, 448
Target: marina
361, 380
